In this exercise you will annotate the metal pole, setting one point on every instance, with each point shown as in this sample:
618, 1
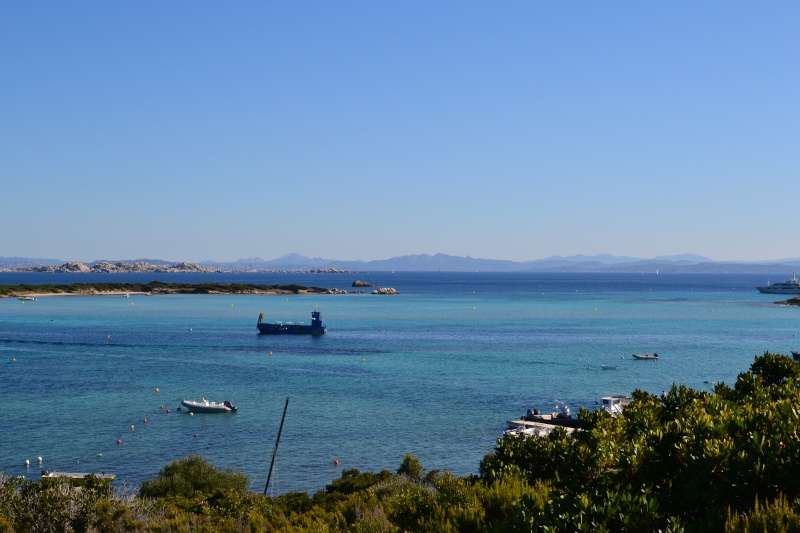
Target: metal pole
275, 451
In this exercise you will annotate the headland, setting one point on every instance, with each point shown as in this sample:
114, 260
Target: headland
153, 288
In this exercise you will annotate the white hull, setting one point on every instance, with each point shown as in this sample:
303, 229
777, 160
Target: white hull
208, 407
791, 286
775, 289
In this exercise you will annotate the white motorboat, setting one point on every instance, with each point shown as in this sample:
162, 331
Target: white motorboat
205, 406
646, 356
791, 286
27, 298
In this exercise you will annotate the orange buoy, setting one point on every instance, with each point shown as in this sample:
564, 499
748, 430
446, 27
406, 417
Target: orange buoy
119, 441
195, 435
336, 462
144, 421
161, 407
168, 411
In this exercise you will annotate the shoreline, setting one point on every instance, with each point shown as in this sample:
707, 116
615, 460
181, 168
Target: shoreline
134, 293
151, 289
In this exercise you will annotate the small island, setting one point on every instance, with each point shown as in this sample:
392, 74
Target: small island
153, 288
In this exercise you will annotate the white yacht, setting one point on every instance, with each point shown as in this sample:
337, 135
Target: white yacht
791, 286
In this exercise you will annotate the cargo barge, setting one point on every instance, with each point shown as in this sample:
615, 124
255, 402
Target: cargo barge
279, 328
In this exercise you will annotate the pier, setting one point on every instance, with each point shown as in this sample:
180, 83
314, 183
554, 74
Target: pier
513, 424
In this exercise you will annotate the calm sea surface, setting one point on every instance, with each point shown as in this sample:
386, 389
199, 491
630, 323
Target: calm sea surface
435, 371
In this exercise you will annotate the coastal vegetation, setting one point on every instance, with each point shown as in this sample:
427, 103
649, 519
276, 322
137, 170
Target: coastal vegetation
687, 460
154, 287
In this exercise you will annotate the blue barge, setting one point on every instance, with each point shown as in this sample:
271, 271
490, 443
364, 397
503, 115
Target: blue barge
279, 328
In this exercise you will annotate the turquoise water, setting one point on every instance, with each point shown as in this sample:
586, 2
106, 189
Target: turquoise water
435, 371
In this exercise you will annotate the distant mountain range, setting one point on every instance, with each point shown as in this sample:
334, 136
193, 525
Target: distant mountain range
687, 263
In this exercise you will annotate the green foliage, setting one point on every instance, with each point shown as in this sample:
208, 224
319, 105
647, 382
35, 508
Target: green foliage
682, 459
411, 467
186, 479
779, 516
56, 505
353, 481
295, 502
775, 369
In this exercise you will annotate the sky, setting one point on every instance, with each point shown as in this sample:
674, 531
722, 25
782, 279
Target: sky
200, 130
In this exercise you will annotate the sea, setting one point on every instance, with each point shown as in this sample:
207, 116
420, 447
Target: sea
94, 383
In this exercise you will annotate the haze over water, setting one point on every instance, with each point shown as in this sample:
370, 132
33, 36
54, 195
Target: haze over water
435, 371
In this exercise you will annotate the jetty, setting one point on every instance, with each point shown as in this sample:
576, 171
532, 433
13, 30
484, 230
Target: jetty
525, 424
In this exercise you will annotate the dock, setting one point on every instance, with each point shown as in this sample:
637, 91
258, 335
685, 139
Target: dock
513, 424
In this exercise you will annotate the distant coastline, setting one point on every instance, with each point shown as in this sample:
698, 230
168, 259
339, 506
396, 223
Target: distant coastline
295, 263
142, 267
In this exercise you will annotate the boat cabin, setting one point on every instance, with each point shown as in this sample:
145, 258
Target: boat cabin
614, 404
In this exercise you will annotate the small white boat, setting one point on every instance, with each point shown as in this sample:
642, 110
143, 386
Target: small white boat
28, 298
646, 356
204, 406
609, 367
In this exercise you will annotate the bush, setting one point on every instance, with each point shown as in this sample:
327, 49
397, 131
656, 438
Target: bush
192, 477
776, 517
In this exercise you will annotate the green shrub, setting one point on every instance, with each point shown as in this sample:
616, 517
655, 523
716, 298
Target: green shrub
778, 516
190, 478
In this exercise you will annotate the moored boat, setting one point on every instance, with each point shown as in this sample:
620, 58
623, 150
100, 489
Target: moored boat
279, 328
562, 417
614, 404
791, 286
646, 356
27, 298
205, 406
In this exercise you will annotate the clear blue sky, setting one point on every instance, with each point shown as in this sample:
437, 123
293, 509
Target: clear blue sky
199, 130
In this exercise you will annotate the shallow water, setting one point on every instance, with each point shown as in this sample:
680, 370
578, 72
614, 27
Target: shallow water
435, 371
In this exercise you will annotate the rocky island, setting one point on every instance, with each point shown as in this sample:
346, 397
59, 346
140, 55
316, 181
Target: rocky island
153, 288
